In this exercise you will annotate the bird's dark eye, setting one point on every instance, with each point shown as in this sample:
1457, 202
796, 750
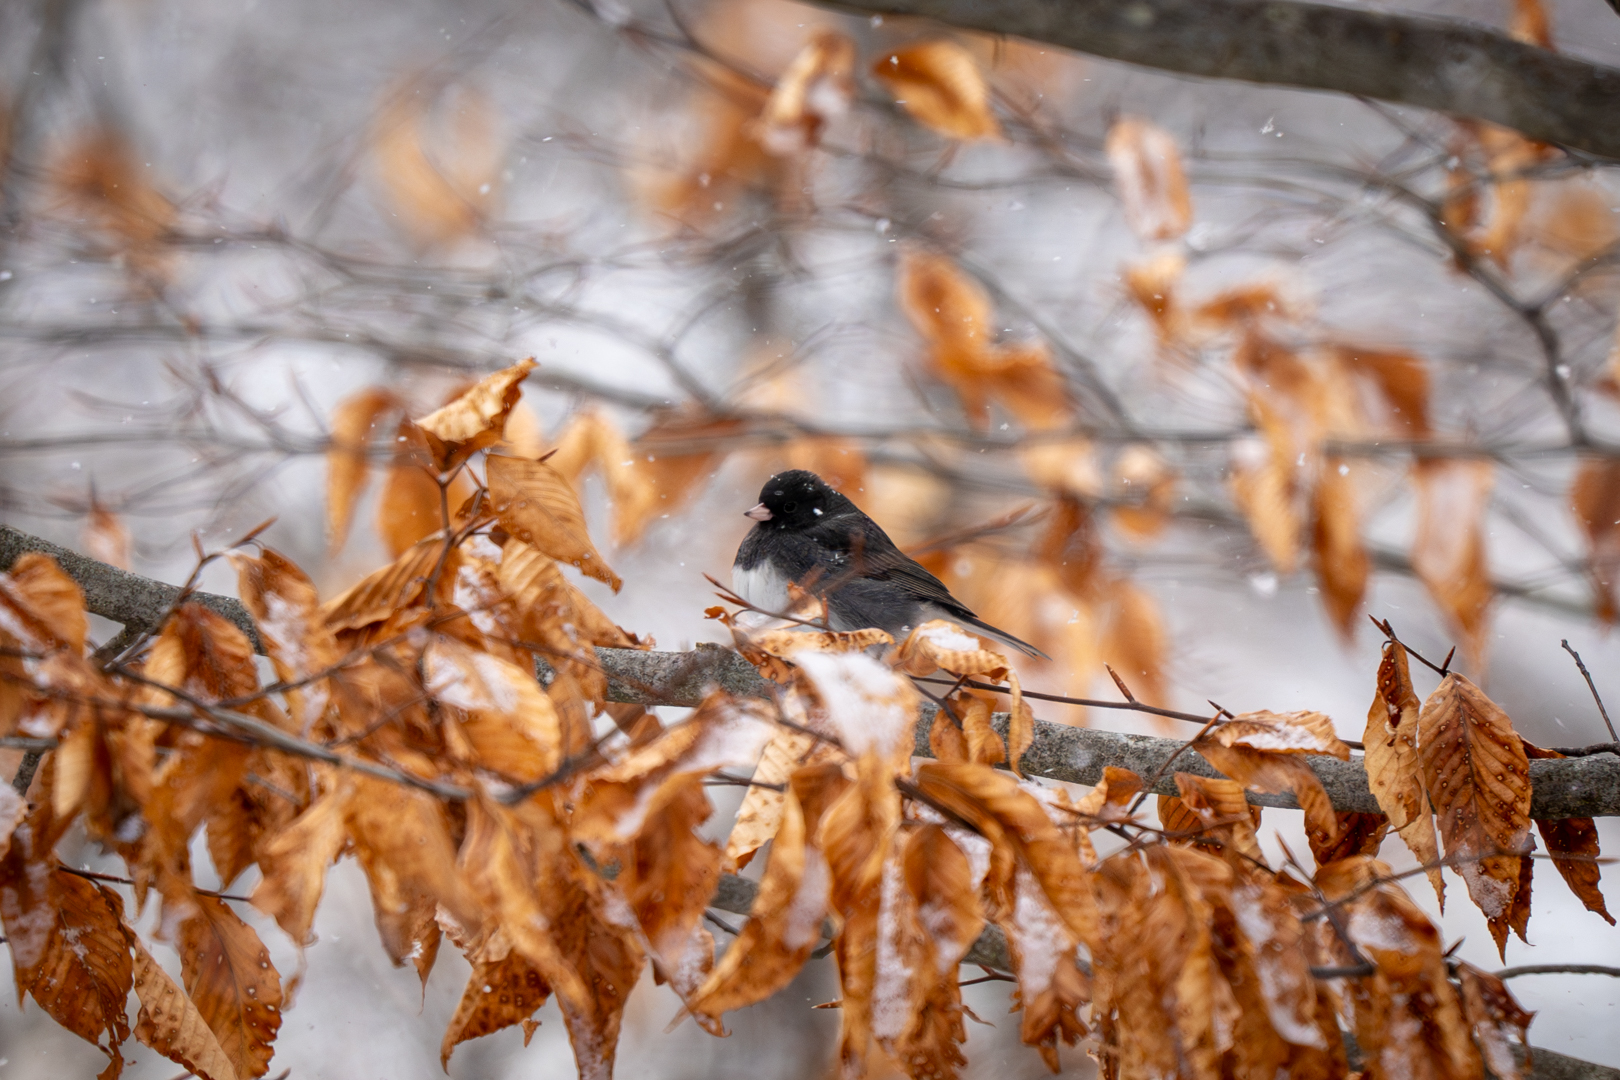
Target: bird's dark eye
788, 508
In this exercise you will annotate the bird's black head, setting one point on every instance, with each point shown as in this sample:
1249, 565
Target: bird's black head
797, 499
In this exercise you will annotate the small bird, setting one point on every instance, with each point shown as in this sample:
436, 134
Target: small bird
809, 534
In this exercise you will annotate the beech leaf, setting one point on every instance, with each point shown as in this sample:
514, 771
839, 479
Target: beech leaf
536, 505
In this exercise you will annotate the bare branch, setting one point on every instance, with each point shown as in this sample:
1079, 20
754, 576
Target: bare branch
1447, 65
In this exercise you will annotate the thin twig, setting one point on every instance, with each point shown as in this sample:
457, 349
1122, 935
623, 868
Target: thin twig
1590, 685
1558, 969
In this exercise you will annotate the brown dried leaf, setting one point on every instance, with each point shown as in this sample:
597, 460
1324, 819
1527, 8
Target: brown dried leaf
941, 86
286, 611
1494, 1016
41, 607
499, 993
68, 945
1148, 174
1478, 778
404, 842
1402, 384
101, 173
1021, 834
983, 744
105, 537
1135, 643
354, 423
13, 808
508, 719
1359, 834
1222, 811
783, 929
760, 814
1406, 1017
938, 644
1152, 284
816, 88
1573, 845
228, 975
170, 1024
1282, 733
1394, 771
476, 418
1020, 724
383, 592
1274, 770
784, 643
294, 863
536, 505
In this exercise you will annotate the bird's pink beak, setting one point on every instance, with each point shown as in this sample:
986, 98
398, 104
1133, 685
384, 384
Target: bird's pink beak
759, 513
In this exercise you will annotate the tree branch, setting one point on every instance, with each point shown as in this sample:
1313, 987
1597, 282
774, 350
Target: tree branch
1451, 66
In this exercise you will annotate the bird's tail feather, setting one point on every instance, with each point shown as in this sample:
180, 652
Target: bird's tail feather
1001, 635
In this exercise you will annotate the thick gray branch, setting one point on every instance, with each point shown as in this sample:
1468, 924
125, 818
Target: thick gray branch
1451, 66
1573, 787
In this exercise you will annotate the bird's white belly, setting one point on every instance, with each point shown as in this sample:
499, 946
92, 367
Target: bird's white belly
762, 586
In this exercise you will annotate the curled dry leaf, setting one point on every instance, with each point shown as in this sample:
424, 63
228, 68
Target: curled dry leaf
170, 1024
382, 592
476, 419
938, 644
411, 506
1394, 770
510, 723
941, 86
536, 505
816, 89
1263, 751
1359, 834
1020, 724
499, 993
1477, 776
1594, 496
1148, 175
286, 612
760, 814
1448, 553
784, 643
228, 975
354, 423
1222, 812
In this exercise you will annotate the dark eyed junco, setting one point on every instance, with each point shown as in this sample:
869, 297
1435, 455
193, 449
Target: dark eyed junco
816, 538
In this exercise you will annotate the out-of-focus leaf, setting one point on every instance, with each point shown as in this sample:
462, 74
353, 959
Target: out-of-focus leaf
1595, 499
1148, 175
509, 721
1477, 776
1152, 284
440, 188
1342, 564
1401, 382
170, 1024
537, 506
940, 85
1135, 643
100, 172
411, 507
816, 89
354, 423
1448, 553
229, 977
105, 537
40, 606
